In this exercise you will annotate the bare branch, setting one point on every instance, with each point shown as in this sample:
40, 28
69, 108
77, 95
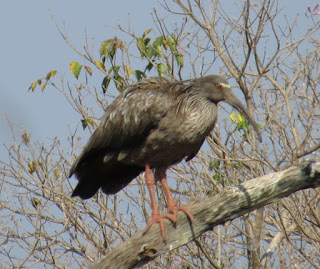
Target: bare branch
227, 205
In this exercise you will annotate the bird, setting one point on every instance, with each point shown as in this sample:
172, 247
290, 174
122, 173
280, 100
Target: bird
151, 125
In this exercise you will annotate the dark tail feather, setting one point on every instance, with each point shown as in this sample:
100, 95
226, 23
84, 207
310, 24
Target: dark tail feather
86, 189
119, 176
111, 177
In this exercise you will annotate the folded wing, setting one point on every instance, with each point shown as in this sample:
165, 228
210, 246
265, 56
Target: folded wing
125, 125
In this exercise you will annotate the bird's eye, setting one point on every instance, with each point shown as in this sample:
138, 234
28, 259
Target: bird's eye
219, 86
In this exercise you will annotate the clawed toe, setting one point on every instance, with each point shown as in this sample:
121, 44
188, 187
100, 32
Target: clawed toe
175, 209
172, 216
157, 218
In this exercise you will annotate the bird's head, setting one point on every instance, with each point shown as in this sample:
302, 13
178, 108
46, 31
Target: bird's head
218, 89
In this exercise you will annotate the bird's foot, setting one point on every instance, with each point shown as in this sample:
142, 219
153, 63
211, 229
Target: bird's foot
174, 209
157, 218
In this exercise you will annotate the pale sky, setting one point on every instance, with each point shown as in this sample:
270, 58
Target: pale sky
31, 46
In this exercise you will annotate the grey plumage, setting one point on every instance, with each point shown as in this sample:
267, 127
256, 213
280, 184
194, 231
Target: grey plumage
157, 121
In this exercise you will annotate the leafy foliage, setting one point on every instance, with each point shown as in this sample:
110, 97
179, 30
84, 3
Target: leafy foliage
45, 81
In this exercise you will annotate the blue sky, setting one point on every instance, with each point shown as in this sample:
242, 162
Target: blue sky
31, 46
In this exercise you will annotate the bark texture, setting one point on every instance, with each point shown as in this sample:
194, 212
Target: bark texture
225, 206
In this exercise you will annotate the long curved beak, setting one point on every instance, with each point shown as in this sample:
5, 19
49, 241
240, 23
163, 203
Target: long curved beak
232, 100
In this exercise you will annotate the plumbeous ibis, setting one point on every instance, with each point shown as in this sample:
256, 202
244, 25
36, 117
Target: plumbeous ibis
153, 124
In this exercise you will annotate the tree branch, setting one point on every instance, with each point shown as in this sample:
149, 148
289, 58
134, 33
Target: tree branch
225, 206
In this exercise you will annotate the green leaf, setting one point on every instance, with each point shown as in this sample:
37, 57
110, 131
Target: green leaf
158, 51
56, 174
117, 77
88, 70
25, 138
165, 44
116, 69
243, 124
214, 164
100, 65
75, 68
107, 49
40, 162
241, 118
128, 69
141, 46
85, 122
172, 44
33, 86
35, 202
43, 86
157, 46
150, 66
233, 117
179, 59
51, 74
218, 178
162, 69
48, 76
32, 166
158, 41
139, 74
105, 84
91, 122
146, 32
146, 41
150, 51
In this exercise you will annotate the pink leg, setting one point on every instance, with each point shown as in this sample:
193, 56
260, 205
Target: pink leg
172, 206
156, 217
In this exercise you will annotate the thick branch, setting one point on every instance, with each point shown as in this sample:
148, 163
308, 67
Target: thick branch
225, 206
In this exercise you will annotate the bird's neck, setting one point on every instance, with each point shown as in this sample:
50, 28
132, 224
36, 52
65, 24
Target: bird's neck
197, 115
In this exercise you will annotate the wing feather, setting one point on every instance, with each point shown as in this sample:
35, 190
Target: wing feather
130, 118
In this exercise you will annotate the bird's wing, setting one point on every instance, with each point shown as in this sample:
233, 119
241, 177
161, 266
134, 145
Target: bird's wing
130, 118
